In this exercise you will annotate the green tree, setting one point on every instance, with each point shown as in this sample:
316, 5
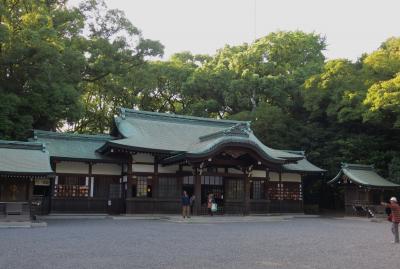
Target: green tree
394, 169
383, 100
40, 67
270, 70
164, 89
384, 63
115, 51
336, 93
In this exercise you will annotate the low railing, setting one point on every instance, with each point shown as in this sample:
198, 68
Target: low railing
19, 210
364, 208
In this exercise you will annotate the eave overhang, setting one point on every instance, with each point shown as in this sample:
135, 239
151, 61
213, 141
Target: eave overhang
27, 174
305, 172
108, 146
215, 149
87, 160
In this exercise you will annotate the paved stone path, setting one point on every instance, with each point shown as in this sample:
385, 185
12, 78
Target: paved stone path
289, 243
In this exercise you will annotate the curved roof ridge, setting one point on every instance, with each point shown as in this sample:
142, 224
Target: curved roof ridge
220, 142
75, 136
298, 152
240, 129
357, 166
126, 112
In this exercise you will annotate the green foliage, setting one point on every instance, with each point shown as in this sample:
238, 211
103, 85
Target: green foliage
383, 63
115, 52
394, 169
66, 67
39, 66
271, 70
338, 89
383, 99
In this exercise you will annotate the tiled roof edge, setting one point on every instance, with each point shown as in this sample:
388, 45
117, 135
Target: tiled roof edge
297, 152
126, 112
22, 145
240, 129
358, 166
49, 134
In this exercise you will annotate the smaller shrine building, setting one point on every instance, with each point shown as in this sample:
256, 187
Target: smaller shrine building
363, 188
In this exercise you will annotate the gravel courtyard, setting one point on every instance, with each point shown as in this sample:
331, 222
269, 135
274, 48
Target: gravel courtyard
295, 243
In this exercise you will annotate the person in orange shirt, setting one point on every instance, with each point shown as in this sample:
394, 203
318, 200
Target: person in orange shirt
395, 217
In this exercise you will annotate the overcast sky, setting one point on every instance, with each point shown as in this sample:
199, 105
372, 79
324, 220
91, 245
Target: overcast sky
351, 27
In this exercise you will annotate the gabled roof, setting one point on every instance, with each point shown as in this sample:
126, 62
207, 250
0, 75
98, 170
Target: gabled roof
24, 158
302, 165
69, 146
187, 136
364, 175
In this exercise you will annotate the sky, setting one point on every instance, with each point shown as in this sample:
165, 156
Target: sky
351, 27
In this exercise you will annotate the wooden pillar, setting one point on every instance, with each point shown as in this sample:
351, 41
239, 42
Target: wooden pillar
180, 185
155, 178
267, 182
197, 191
51, 194
246, 205
30, 194
129, 176
369, 196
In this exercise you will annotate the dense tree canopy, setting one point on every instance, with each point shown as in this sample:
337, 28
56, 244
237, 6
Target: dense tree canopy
71, 68
40, 66
61, 65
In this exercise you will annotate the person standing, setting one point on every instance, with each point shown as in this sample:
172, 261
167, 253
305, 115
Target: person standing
185, 205
395, 217
210, 201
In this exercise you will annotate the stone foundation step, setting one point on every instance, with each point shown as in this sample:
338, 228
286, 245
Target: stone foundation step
22, 224
73, 216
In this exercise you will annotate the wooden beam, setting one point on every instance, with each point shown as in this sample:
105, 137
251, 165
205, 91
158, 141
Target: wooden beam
129, 175
197, 191
30, 194
155, 178
246, 183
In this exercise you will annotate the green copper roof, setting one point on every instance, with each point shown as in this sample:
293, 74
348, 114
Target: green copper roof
176, 134
363, 175
24, 158
73, 146
179, 137
302, 165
